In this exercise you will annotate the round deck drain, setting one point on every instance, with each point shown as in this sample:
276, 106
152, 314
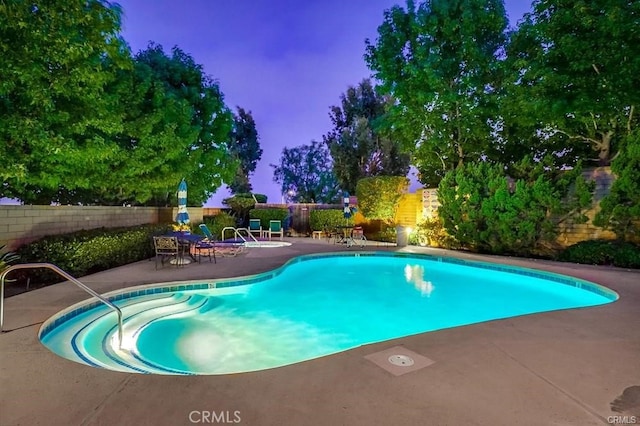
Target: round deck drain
401, 360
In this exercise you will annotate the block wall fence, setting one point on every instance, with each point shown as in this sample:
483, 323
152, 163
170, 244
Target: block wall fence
20, 224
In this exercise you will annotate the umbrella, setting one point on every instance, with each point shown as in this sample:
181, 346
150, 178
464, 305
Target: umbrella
183, 215
347, 209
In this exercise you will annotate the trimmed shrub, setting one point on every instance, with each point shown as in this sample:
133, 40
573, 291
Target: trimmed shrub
603, 252
242, 203
378, 196
319, 220
89, 251
387, 234
265, 215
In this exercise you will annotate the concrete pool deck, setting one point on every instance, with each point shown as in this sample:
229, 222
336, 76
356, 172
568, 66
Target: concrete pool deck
571, 367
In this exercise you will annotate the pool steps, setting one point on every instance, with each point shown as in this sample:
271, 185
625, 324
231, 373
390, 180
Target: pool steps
99, 326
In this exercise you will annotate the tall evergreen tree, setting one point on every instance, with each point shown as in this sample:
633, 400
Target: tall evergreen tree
245, 147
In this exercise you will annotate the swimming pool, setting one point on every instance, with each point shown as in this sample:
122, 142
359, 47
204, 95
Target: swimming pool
314, 305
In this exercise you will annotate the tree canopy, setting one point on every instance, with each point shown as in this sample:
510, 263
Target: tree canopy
441, 63
176, 126
578, 69
84, 121
358, 146
55, 120
305, 174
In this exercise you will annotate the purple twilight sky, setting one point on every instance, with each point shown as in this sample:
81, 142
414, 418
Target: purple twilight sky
286, 61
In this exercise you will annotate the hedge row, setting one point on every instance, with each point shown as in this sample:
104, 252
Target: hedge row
89, 251
266, 215
603, 252
320, 220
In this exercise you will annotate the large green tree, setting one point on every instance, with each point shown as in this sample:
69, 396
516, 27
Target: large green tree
441, 62
577, 67
56, 58
305, 174
176, 126
357, 144
245, 147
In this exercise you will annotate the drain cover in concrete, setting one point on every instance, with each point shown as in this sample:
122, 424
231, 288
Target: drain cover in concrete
399, 360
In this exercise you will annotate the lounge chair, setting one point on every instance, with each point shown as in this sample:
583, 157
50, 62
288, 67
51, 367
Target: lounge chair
207, 245
255, 226
275, 228
222, 247
168, 247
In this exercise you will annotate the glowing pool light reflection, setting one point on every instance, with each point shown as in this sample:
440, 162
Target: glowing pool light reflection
311, 307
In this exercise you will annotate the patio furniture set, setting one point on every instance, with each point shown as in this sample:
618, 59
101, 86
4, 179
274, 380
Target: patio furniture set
182, 248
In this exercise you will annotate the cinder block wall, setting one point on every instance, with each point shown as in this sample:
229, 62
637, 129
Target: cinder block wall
22, 224
574, 233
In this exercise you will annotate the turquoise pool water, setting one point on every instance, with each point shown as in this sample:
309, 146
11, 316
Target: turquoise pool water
311, 307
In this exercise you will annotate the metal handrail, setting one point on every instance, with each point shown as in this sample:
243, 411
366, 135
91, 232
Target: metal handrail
64, 275
249, 234
237, 233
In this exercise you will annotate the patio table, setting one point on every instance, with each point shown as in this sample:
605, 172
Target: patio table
187, 240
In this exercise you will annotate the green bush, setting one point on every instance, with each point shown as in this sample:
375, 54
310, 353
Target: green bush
482, 210
602, 252
620, 209
218, 222
319, 220
89, 251
265, 215
386, 235
378, 196
431, 232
